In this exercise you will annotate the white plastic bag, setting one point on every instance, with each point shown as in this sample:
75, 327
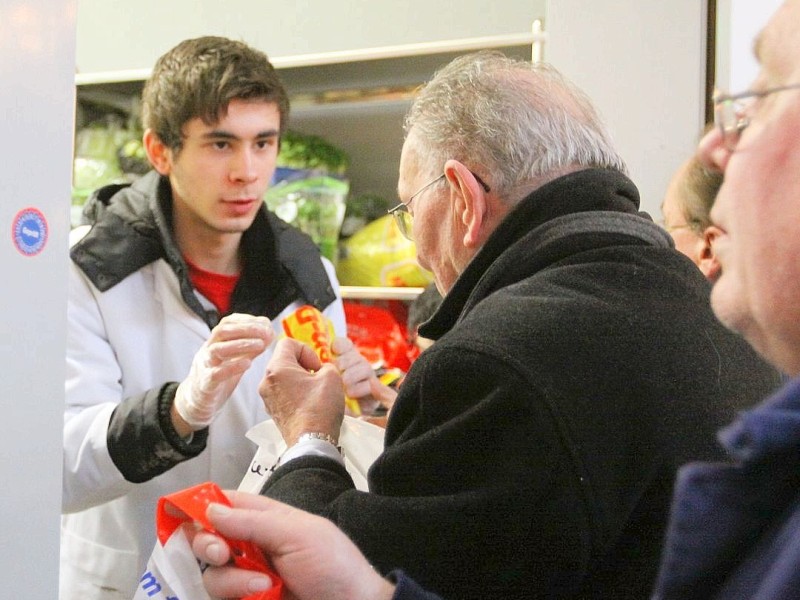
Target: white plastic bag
172, 572
361, 443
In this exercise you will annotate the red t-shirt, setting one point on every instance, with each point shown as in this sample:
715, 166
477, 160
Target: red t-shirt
218, 288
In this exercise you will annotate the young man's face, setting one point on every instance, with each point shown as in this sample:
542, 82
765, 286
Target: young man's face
758, 207
220, 174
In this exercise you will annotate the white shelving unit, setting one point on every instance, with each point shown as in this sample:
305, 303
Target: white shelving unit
350, 292
533, 40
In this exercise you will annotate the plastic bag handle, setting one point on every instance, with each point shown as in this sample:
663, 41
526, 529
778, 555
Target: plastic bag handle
193, 502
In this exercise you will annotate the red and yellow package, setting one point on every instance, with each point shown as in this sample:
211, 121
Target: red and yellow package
308, 325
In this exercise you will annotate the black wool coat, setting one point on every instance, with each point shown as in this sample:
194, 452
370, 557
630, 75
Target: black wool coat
532, 449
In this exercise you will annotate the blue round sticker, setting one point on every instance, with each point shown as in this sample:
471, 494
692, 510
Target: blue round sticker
29, 231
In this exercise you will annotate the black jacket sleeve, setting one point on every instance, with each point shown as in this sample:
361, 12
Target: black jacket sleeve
309, 482
407, 588
141, 439
473, 475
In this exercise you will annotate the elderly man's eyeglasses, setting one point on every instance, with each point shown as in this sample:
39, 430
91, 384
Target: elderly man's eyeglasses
732, 112
402, 216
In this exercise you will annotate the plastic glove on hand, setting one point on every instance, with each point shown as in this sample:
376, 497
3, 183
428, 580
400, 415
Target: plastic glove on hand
219, 365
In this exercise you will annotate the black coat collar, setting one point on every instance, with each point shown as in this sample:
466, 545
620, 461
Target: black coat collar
531, 236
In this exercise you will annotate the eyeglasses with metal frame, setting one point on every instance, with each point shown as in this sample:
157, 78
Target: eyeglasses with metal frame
402, 215
732, 112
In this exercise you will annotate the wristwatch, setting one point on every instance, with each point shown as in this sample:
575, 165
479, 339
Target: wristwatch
317, 435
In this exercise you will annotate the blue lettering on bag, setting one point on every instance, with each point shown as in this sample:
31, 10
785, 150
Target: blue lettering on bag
151, 586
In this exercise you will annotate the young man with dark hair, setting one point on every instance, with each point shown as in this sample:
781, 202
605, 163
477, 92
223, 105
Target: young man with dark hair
177, 290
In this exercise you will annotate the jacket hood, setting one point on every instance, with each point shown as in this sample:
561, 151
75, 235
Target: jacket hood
125, 234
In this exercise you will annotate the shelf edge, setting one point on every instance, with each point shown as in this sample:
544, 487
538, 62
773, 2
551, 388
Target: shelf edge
379, 293
344, 56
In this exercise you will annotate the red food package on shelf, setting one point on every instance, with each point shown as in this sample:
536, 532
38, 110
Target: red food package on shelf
379, 336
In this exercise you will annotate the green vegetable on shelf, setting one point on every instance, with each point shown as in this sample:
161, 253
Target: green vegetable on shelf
95, 161
315, 205
304, 151
311, 192
133, 157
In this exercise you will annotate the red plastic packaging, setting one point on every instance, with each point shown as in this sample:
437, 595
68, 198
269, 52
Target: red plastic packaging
193, 502
379, 336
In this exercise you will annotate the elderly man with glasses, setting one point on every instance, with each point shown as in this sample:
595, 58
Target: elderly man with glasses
533, 448
735, 532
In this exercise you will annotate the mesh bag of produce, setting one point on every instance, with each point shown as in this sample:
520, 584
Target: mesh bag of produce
379, 255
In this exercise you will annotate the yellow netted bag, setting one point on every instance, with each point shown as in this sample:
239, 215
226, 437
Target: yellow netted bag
379, 255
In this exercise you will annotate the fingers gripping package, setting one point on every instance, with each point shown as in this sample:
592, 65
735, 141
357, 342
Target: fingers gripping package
361, 441
310, 326
172, 572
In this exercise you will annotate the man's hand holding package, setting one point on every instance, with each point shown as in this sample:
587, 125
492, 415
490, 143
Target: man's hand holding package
356, 371
302, 394
217, 368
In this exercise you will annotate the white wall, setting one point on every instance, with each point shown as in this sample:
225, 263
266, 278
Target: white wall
643, 63
738, 23
36, 103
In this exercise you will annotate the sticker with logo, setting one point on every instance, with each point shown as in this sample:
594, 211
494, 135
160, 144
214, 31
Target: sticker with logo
29, 231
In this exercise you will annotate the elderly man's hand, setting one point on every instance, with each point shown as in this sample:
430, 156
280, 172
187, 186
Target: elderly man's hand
359, 377
356, 371
302, 394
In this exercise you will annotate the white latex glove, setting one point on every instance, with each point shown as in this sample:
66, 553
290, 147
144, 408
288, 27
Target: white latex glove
219, 365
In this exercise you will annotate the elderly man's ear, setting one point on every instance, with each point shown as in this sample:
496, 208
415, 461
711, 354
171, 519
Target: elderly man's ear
708, 263
478, 211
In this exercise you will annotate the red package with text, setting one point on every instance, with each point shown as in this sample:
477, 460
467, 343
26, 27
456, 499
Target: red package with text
308, 325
